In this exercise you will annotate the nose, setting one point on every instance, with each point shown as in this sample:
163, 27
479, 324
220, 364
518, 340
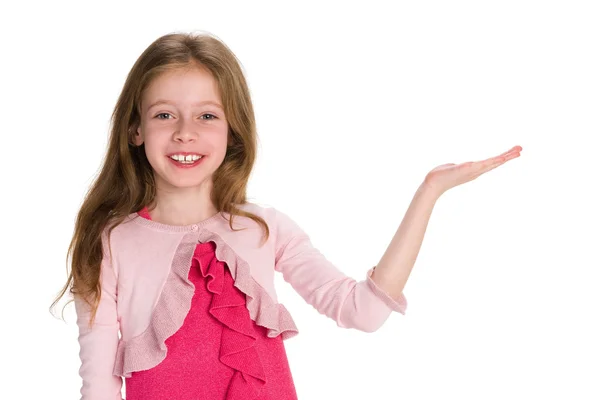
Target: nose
186, 132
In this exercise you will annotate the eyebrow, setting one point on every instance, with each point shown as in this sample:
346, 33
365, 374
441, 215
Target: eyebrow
200, 103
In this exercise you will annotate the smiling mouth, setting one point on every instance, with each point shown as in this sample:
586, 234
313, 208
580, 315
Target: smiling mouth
186, 162
188, 159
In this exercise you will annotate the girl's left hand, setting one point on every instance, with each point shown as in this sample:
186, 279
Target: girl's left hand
447, 176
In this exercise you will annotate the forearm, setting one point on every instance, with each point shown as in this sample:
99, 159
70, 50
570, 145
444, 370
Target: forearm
395, 266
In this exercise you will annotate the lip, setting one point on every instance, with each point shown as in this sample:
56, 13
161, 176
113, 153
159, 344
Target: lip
192, 165
185, 153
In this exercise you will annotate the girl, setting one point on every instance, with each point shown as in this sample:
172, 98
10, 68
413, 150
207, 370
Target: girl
168, 252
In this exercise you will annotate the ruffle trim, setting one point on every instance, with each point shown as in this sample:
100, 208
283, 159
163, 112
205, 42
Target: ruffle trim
148, 349
238, 337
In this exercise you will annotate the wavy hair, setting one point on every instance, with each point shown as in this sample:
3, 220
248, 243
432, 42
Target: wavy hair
126, 181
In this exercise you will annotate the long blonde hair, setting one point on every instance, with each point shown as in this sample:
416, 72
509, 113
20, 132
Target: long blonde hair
126, 182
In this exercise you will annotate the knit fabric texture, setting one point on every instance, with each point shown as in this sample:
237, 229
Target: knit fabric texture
219, 352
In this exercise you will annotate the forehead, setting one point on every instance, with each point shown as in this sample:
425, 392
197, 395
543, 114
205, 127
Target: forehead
182, 86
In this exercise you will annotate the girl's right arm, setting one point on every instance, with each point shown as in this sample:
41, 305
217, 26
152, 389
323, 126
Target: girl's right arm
98, 345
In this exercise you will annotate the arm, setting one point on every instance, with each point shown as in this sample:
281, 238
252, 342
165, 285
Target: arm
352, 304
398, 260
98, 345
360, 305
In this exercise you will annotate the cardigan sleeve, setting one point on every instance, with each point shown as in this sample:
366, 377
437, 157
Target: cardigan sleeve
360, 305
98, 344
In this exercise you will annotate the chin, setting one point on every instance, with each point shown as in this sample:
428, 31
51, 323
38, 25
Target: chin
182, 180
188, 182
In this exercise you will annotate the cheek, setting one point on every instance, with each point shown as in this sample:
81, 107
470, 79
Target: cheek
214, 141
154, 149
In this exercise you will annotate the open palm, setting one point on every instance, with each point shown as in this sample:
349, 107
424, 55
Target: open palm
447, 176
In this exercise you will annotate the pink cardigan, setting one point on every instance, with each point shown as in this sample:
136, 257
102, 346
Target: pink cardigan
146, 294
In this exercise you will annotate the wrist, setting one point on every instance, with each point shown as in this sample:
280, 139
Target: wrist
427, 190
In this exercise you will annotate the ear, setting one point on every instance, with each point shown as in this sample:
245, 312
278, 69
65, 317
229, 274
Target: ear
137, 137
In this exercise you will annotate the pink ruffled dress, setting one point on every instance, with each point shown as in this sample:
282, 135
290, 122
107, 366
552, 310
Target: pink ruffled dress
219, 353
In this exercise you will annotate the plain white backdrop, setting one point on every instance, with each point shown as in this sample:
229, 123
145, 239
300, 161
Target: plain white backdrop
355, 102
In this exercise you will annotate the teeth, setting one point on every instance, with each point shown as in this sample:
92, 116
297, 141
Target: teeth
186, 159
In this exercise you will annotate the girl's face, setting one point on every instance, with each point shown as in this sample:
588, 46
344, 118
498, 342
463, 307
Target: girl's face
182, 114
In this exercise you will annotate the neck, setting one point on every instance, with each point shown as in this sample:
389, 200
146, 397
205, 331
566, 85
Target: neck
182, 206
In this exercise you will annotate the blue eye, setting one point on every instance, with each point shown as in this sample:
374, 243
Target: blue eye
203, 115
162, 114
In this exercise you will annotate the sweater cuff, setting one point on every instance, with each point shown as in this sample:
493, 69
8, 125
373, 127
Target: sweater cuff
398, 305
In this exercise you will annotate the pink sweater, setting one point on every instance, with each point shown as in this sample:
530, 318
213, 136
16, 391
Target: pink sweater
146, 293
219, 353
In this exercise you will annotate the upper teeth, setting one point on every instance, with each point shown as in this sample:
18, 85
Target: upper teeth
189, 157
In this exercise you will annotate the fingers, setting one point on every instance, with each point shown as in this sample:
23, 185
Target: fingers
496, 162
512, 155
490, 162
507, 155
490, 167
515, 149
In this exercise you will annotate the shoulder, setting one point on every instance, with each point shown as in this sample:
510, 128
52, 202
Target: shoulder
121, 229
282, 224
275, 217
127, 235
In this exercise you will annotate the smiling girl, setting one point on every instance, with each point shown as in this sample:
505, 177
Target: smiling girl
172, 268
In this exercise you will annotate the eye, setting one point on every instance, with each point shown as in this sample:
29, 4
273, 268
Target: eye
204, 115
213, 116
162, 114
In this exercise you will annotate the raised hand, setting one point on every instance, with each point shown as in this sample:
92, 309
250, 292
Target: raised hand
447, 176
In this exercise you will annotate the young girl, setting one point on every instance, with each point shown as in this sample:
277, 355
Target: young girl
173, 269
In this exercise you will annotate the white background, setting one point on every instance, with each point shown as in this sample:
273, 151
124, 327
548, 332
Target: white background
355, 103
